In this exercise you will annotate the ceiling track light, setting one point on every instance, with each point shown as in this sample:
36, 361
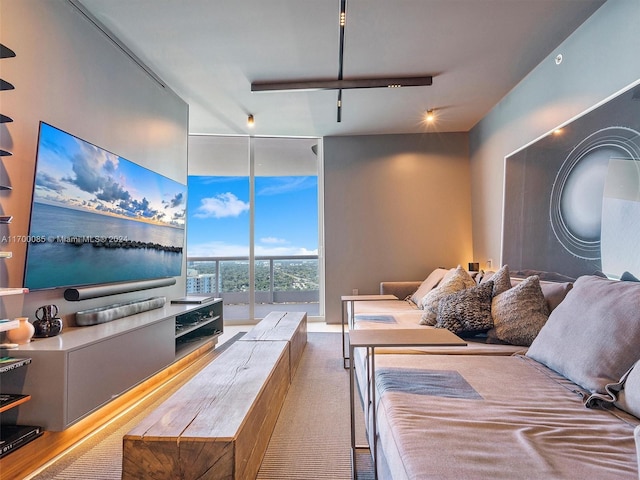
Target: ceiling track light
343, 21
341, 84
311, 85
250, 121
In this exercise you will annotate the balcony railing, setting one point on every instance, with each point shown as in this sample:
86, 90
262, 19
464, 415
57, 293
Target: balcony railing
280, 280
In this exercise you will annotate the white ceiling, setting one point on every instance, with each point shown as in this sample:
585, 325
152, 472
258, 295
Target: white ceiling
210, 51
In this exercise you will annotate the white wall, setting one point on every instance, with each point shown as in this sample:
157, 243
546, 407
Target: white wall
599, 59
70, 75
396, 207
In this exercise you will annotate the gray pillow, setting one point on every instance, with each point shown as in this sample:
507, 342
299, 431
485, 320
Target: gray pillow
592, 336
501, 280
427, 285
467, 311
554, 292
518, 314
454, 282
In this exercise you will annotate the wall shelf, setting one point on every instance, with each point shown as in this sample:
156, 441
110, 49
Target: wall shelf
4, 85
13, 291
4, 326
10, 400
14, 436
6, 52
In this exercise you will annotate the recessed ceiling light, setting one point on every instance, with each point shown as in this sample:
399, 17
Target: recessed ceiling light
430, 116
250, 121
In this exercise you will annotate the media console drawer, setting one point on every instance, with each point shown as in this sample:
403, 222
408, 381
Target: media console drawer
104, 370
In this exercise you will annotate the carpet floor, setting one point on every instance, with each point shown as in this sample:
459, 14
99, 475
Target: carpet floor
310, 440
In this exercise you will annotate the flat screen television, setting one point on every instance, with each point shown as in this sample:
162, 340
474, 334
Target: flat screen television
97, 218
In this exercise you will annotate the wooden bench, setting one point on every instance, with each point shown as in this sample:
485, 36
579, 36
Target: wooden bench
218, 425
282, 326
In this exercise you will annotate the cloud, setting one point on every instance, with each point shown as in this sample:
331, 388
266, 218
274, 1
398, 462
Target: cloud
287, 185
175, 201
140, 208
220, 206
111, 191
222, 249
283, 251
90, 179
273, 240
48, 182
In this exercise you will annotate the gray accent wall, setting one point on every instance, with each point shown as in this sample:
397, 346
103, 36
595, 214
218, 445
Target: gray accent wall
69, 74
395, 208
598, 60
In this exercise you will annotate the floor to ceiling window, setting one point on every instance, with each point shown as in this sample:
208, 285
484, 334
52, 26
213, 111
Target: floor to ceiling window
254, 228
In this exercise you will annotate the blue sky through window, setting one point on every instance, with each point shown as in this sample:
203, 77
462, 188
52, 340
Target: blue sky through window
286, 221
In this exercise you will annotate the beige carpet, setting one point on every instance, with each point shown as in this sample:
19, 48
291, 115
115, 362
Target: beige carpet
310, 441
312, 436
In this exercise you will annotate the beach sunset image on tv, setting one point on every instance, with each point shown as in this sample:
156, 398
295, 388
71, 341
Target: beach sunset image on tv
99, 218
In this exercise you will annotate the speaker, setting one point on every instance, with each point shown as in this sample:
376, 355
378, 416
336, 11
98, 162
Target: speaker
84, 293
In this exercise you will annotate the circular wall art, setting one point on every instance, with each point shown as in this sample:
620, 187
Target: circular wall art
578, 190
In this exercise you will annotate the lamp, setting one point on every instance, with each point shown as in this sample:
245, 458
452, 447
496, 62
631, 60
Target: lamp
250, 121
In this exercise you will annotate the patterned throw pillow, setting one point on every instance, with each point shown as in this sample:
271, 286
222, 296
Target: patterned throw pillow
519, 313
501, 280
459, 280
467, 311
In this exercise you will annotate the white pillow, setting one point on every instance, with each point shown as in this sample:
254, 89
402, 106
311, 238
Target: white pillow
429, 284
629, 396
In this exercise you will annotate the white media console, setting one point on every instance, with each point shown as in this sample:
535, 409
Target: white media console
83, 368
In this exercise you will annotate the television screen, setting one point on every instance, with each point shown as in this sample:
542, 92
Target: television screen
98, 218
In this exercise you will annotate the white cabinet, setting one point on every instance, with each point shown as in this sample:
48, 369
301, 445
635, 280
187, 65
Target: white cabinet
82, 369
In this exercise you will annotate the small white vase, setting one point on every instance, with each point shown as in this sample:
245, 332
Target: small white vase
23, 333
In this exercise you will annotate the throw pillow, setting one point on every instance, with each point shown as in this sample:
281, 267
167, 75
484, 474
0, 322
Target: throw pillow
456, 281
592, 336
518, 314
554, 292
467, 311
501, 280
629, 277
427, 285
